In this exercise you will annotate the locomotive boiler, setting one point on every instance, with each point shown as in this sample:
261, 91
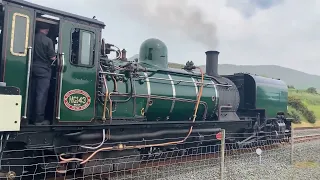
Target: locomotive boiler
158, 93
122, 107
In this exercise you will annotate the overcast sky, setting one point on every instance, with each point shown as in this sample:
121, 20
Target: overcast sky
249, 32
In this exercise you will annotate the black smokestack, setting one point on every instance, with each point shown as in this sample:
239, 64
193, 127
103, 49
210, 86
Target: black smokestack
212, 63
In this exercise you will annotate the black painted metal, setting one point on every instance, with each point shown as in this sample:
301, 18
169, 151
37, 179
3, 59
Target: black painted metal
9, 90
212, 63
55, 11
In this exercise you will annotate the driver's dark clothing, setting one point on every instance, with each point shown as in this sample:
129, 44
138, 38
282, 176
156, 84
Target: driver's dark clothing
43, 51
41, 75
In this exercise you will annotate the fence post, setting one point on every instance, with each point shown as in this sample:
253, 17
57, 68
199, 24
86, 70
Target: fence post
222, 149
292, 142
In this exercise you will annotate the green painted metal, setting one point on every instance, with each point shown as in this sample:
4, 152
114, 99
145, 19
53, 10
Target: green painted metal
77, 77
153, 52
167, 87
184, 88
271, 94
163, 96
15, 66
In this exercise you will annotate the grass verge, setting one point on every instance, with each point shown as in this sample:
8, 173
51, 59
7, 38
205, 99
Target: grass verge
310, 103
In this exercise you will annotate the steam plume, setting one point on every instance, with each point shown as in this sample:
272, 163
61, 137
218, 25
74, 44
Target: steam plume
178, 15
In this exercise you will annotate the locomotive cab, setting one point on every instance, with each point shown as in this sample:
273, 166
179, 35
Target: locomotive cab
74, 73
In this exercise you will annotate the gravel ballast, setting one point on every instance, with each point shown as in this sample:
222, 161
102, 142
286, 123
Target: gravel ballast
275, 164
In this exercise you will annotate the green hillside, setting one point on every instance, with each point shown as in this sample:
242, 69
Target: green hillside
304, 105
300, 80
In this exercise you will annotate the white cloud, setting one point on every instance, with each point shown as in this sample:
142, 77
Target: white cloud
287, 34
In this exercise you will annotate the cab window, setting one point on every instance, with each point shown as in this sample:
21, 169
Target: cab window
20, 33
82, 48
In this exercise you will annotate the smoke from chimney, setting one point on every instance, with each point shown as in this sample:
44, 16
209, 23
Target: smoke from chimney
176, 15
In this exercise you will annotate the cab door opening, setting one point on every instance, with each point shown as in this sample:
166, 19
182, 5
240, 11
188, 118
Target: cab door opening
53, 35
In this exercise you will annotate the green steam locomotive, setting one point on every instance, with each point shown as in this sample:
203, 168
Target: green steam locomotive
93, 96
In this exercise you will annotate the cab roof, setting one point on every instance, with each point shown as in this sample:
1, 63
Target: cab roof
53, 11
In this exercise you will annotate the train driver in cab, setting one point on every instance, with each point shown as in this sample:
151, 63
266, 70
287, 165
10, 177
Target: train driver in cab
43, 56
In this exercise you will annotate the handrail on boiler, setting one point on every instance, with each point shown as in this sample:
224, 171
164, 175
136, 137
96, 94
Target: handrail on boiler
165, 79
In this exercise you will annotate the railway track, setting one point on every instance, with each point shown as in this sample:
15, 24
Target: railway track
305, 128
299, 139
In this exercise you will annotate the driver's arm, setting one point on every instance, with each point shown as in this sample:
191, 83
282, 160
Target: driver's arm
51, 53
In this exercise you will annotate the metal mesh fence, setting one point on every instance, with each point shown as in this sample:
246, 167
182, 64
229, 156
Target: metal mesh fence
197, 159
43, 162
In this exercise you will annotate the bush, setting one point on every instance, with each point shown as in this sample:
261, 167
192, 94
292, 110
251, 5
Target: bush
312, 90
296, 117
291, 87
297, 104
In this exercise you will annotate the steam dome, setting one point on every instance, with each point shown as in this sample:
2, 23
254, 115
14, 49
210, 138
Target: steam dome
154, 52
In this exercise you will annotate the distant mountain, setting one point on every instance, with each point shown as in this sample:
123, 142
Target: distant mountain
300, 80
